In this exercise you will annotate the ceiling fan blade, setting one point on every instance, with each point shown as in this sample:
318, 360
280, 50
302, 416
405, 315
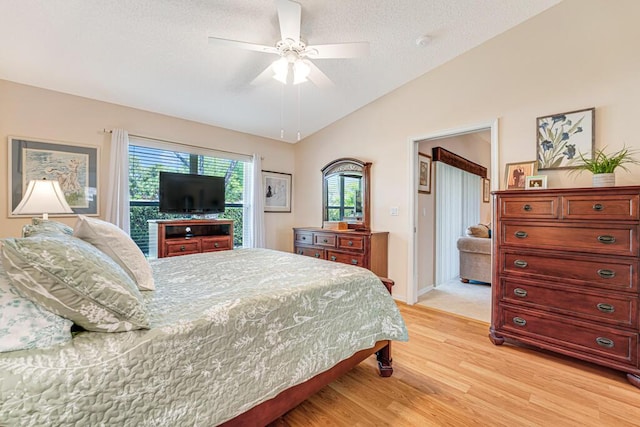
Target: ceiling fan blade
338, 50
317, 77
242, 45
289, 16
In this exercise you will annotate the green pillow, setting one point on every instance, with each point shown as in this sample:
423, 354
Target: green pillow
75, 280
45, 226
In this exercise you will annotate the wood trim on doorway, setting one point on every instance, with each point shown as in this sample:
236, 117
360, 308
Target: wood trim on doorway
452, 159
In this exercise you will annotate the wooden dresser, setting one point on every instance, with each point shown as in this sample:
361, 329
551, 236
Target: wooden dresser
189, 236
566, 273
366, 249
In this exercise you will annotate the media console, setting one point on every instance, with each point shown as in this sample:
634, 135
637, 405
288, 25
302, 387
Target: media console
189, 236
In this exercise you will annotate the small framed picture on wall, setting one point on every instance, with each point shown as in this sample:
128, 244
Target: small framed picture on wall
424, 173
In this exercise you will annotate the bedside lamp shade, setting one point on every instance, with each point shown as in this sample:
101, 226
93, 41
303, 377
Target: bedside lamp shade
42, 197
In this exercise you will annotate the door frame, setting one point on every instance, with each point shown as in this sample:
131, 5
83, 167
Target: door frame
412, 273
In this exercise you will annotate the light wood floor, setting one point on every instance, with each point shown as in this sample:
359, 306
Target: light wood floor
450, 374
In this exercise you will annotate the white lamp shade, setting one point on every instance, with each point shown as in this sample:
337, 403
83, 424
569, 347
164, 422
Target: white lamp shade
301, 71
42, 197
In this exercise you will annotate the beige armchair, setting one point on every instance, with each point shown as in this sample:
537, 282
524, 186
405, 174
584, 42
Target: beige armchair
475, 259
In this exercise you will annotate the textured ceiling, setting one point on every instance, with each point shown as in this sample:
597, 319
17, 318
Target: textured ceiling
154, 54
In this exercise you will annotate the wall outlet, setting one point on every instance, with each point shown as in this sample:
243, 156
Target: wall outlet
394, 211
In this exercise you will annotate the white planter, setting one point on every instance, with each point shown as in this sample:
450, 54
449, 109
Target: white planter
604, 180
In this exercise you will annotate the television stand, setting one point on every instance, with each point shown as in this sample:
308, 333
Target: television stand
175, 237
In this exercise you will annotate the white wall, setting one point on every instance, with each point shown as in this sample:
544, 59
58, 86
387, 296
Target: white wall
578, 54
43, 114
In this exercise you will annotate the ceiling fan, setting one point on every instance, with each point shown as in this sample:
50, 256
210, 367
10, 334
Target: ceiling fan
294, 64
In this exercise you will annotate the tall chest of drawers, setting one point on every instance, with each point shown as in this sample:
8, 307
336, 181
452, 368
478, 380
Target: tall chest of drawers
565, 274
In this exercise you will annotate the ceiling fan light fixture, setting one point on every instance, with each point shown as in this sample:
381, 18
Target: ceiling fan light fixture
301, 71
281, 69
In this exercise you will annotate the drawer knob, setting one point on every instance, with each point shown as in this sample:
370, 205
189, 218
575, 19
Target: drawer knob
519, 292
216, 245
605, 308
606, 274
354, 261
604, 342
333, 258
350, 243
317, 255
607, 240
520, 263
325, 241
519, 321
520, 234
598, 207
527, 207
304, 237
300, 252
182, 248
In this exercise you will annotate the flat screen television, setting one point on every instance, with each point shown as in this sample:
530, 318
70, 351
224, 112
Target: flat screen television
191, 194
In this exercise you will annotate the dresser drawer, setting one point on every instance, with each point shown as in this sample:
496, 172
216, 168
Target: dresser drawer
345, 258
599, 272
210, 244
612, 239
312, 252
324, 239
622, 207
527, 207
354, 243
605, 307
304, 237
182, 247
606, 343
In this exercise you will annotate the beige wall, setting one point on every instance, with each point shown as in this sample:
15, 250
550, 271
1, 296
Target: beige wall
578, 54
42, 114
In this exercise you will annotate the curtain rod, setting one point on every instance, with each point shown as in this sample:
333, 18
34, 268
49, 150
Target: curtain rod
180, 143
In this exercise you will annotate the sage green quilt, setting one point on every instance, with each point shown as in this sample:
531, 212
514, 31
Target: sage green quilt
229, 330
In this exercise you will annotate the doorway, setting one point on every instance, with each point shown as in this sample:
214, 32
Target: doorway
422, 252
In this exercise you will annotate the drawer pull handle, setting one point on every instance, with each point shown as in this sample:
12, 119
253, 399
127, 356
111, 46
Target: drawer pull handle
182, 248
605, 308
607, 240
350, 243
606, 274
604, 342
598, 207
519, 321
300, 252
519, 292
354, 261
304, 237
520, 234
520, 263
527, 208
333, 258
325, 241
216, 245
317, 255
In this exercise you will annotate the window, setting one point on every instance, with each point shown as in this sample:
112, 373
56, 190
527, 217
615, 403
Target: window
148, 158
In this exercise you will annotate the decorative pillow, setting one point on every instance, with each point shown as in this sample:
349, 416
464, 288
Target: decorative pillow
25, 325
75, 280
479, 230
44, 226
114, 242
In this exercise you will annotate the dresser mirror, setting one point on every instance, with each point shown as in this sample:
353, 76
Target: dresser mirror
345, 194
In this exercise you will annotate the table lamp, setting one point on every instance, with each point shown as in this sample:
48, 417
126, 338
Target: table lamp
42, 197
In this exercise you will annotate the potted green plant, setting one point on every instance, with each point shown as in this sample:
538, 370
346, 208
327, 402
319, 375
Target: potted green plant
603, 165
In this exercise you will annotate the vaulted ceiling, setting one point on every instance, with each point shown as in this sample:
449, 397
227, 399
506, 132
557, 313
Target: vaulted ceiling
154, 54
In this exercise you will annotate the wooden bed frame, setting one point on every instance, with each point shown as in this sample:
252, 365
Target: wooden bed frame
272, 409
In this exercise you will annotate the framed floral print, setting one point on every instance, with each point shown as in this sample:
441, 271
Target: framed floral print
560, 137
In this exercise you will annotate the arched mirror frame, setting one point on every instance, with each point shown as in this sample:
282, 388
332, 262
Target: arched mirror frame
347, 165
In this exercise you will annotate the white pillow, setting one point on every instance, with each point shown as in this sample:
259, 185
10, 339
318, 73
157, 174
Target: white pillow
114, 242
25, 325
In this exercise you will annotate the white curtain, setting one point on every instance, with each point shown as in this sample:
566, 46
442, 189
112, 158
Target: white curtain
253, 230
458, 198
118, 184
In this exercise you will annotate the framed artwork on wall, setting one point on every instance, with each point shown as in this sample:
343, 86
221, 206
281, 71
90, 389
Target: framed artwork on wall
276, 187
424, 173
486, 190
74, 166
560, 137
516, 173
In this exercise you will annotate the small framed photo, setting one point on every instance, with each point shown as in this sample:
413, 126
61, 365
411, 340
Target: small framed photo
276, 187
536, 182
424, 173
515, 174
486, 190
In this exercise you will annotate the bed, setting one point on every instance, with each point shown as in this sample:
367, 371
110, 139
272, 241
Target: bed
236, 337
